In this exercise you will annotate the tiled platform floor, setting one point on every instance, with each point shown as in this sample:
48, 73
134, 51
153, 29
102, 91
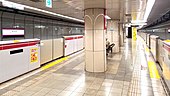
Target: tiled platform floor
124, 77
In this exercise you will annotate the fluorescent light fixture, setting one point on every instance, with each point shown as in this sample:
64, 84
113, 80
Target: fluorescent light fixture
107, 17
44, 11
137, 21
168, 30
148, 9
40, 26
138, 24
13, 5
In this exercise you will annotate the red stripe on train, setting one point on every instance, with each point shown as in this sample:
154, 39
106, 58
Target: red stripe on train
167, 47
70, 38
17, 45
80, 37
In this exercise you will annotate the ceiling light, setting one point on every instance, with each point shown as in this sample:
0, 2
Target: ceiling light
13, 5
168, 30
107, 17
148, 9
44, 11
138, 22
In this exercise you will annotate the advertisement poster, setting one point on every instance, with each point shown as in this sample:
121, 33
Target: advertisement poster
34, 55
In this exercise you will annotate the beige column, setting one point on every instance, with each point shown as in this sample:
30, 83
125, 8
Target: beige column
95, 41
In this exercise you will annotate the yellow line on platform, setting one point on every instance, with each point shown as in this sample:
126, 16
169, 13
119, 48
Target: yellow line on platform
54, 63
147, 49
153, 70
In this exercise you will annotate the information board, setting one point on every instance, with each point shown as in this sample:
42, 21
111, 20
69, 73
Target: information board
12, 32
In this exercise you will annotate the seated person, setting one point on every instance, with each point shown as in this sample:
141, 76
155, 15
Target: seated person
107, 44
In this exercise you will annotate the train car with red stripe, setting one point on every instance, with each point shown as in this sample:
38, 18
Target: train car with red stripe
159, 44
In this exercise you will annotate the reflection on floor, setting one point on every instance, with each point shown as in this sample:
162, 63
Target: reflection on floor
127, 75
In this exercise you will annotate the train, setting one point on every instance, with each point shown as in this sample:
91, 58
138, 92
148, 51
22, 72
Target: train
35, 39
22, 56
60, 47
159, 45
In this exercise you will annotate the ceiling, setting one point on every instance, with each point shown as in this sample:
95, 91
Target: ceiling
158, 10
123, 10
136, 8
74, 8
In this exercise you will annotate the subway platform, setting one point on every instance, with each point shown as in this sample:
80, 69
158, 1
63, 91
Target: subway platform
129, 73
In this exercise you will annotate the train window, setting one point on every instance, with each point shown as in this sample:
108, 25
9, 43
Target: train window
75, 31
7, 22
37, 28
82, 31
55, 31
44, 29
19, 23
29, 27
50, 30
60, 32
67, 31
70, 30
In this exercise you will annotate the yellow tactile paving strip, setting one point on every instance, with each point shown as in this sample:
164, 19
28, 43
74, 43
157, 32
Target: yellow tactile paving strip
147, 50
153, 70
51, 64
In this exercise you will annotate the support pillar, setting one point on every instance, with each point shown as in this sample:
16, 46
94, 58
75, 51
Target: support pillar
95, 40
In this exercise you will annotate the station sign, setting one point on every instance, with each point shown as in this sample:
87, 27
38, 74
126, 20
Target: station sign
49, 3
13, 32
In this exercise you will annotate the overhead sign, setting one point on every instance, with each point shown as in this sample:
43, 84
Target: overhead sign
49, 3
12, 32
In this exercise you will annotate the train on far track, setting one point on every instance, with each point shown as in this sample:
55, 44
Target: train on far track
158, 41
